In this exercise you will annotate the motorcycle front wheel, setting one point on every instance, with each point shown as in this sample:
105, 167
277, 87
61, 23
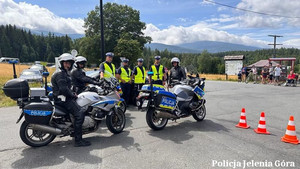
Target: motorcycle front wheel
154, 122
34, 138
199, 114
116, 121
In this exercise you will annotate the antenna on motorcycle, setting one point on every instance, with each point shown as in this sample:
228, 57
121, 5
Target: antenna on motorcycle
45, 75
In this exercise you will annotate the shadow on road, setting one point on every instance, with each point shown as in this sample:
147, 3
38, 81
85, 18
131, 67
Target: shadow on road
179, 133
57, 152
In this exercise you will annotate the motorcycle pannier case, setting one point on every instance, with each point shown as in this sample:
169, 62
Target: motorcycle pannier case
38, 112
16, 88
165, 100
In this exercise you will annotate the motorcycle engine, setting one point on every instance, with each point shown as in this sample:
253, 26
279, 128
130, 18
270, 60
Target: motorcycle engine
97, 113
88, 122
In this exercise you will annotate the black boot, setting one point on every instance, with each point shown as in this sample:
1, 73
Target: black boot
82, 143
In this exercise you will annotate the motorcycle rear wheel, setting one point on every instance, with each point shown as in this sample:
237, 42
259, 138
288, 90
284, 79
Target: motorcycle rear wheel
34, 138
154, 122
116, 121
199, 115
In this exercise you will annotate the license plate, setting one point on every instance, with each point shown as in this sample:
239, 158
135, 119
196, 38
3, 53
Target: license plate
145, 103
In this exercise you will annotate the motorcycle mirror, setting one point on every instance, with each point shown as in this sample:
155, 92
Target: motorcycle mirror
74, 52
45, 74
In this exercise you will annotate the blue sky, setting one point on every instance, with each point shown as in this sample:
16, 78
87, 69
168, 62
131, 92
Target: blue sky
171, 21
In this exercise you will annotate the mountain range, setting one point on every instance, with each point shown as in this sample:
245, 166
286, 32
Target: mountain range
199, 46
195, 47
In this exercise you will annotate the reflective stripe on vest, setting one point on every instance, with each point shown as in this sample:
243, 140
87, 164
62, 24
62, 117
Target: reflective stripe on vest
157, 75
140, 78
107, 68
124, 75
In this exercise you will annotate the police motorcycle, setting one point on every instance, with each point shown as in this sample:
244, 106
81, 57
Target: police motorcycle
44, 121
95, 75
184, 100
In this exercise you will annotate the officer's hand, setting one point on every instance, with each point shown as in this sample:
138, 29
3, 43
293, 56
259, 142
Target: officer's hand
123, 81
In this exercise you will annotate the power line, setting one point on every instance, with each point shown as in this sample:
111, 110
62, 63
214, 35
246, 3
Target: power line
247, 10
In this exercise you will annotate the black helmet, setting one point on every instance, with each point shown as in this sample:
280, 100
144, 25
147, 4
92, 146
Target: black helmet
140, 60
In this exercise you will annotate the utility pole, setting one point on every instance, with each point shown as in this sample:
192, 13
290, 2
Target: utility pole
274, 50
102, 30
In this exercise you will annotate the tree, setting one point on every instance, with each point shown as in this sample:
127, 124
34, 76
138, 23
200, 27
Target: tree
118, 20
128, 48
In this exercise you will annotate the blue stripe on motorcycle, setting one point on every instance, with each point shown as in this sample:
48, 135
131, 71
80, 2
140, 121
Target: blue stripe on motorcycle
122, 100
104, 102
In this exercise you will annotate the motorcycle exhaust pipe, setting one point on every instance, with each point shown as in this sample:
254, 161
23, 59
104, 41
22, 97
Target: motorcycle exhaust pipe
165, 115
47, 129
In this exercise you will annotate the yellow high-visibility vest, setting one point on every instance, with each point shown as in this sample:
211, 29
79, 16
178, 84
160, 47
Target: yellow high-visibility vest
124, 75
108, 69
140, 78
157, 75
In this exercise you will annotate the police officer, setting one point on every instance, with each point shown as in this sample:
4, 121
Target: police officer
139, 76
107, 67
64, 97
79, 79
124, 75
176, 72
159, 74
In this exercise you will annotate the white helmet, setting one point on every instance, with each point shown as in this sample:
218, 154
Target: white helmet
66, 57
175, 59
80, 59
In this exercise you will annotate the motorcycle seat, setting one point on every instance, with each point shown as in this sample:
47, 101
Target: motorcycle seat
60, 111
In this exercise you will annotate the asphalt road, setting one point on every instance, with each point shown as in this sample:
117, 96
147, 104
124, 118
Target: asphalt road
212, 143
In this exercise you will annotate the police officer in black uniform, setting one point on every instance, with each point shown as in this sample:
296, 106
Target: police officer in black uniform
176, 72
79, 79
64, 97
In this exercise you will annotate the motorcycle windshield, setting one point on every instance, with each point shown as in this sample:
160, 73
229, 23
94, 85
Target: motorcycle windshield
110, 77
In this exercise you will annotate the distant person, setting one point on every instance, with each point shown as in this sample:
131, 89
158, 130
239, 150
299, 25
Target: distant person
244, 74
277, 72
271, 73
291, 78
264, 73
240, 76
254, 72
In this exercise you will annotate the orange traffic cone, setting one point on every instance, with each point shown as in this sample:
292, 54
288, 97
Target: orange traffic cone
290, 134
261, 129
243, 121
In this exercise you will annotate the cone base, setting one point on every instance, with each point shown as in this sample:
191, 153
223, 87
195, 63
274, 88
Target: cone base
259, 132
290, 141
244, 127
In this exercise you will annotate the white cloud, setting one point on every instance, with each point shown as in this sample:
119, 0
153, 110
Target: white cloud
37, 18
200, 32
275, 7
292, 43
